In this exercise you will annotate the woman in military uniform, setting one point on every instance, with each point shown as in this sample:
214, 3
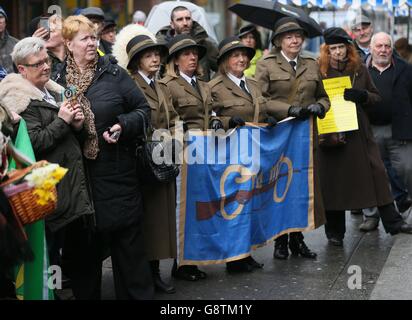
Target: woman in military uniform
236, 100
159, 204
192, 100
293, 85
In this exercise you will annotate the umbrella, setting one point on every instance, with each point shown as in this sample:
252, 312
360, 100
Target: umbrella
159, 16
265, 13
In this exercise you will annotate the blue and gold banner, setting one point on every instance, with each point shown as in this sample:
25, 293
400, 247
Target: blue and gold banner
239, 191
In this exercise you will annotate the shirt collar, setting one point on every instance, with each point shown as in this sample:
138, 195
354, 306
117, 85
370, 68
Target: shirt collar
235, 79
287, 59
187, 78
47, 96
145, 78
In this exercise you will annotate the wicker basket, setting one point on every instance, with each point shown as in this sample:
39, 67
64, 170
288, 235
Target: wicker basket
22, 198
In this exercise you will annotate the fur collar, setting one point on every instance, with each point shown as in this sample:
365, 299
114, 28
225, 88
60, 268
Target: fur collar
16, 93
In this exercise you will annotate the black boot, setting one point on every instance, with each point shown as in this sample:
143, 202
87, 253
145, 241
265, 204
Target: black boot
159, 284
298, 247
281, 247
189, 273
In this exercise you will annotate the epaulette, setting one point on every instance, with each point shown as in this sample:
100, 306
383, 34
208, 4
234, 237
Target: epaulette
269, 56
166, 79
215, 81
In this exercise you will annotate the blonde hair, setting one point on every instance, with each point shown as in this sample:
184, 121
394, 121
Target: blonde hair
73, 24
56, 22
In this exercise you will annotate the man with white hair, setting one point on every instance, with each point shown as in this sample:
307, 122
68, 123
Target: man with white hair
139, 17
392, 117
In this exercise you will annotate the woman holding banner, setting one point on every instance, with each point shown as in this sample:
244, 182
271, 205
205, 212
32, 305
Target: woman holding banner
192, 100
352, 173
294, 88
236, 100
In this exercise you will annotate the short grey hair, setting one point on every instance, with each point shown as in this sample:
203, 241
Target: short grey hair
25, 48
373, 39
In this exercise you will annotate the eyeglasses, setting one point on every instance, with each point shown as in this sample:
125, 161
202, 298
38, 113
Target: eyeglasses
37, 65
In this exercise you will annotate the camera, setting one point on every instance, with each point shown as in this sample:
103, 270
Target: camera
69, 93
44, 23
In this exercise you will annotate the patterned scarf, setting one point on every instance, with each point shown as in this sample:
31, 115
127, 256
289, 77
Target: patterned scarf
82, 81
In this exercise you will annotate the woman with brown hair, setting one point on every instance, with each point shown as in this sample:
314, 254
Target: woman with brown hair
192, 100
352, 174
159, 200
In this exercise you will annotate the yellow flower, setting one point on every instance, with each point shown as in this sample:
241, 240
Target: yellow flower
59, 173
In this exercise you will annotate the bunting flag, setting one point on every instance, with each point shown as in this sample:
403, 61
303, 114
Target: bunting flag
32, 277
239, 191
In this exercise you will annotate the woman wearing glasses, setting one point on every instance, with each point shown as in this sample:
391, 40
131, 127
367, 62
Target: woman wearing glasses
52, 129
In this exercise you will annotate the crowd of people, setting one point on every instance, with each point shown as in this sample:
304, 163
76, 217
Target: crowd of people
116, 83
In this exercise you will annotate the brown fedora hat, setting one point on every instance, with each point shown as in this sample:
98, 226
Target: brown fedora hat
141, 43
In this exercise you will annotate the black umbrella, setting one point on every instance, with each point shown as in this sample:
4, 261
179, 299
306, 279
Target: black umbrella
266, 13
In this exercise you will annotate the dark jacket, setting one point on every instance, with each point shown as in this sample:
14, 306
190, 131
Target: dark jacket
52, 140
402, 99
209, 61
7, 44
353, 176
361, 53
114, 98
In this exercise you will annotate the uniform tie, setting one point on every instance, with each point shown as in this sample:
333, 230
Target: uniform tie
152, 85
293, 65
243, 87
194, 85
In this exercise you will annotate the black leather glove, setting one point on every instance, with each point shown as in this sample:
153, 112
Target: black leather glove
356, 95
236, 121
216, 124
298, 112
317, 110
271, 121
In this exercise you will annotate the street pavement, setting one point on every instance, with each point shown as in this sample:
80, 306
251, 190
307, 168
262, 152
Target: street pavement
325, 278
382, 261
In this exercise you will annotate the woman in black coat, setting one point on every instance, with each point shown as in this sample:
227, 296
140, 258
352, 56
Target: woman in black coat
114, 110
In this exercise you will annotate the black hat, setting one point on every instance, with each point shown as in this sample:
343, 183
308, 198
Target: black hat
286, 24
336, 35
184, 41
3, 13
249, 28
108, 22
93, 12
140, 43
232, 43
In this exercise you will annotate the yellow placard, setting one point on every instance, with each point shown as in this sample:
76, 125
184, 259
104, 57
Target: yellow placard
342, 114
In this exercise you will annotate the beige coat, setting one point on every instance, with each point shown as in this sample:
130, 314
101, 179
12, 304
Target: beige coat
194, 109
230, 100
284, 88
159, 201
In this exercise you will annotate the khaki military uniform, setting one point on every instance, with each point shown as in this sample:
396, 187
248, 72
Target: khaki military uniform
159, 201
230, 100
283, 87
193, 108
